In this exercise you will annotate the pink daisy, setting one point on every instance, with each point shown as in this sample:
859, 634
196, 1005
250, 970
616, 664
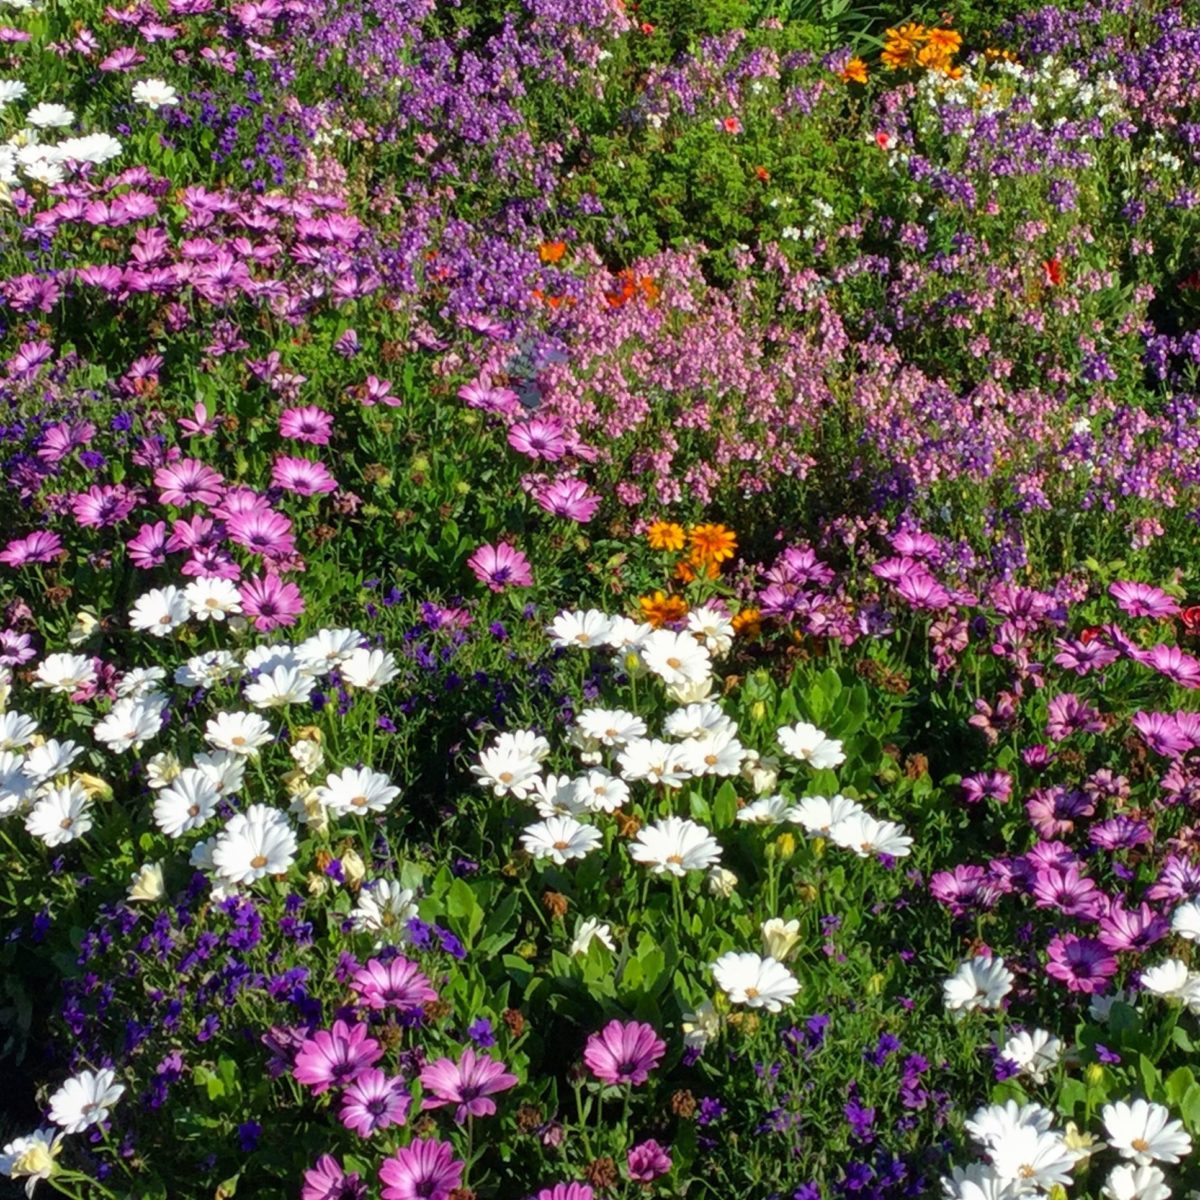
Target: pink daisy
423, 1170
335, 1057
39, 547
569, 498
302, 476
624, 1052
538, 438
467, 1083
271, 602
395, 984
327, 1181
373, 1101
500, 567
188, 481
308, 424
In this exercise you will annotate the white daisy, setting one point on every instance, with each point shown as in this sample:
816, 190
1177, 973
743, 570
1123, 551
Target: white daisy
32, 1157
257, 842
266, 657
761, 772
186, 803
507, 770
560, 839
819, 814
369, 670
65, 673
1034, 1053
49, 116
50, 759
718, 754
93, 148
160, 611
141, 683
625, 635
598, 791
610, 726
675, 846
308, 756
161, 768
329, 648
1185, 920
16, 730
208, 670
676, 658
85, 1100
225, 770
580, 630
768, 810
589, 929
689, 693
155, 93
978, 983
702, 720
554, 796
384, 907
993, 1123
1032, 1159
212, 599
283, 686
748, 978
357, 790
976, 1182
807, 743
1127, 1181
1169, 979
61, 815
700, 1027
15, 786
712, 627
866, 835
237, 732
146, 884
129, 725
10, 91
656, 762
1145, 1133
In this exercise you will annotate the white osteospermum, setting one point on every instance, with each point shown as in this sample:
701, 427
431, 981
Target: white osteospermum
561, 839
700, 1027
369, 670
49, 116
212, 598
588, 930
224, 769
1128, 1181
768, 810
993, 1123
761, 772
257, 842
187, 803
1035, 1053
976, 1182
978, 983
208, 670
712, 627
283, 686
60, 815
130, 725
85, 1099
358, 790
385, 908
610, 726
720, 882
16, 730
237, 732
580, 630
656, 762
329, 648
15, 786
780, 937
819, 814
161, 768
1185, 920
866, 835
676, 658
809, 744
554, 796
50, 759
95, 148
719, 754
65, 673
32, 1157
44, 170
626, 635
1100, 1006
1169, 979
748, 978
265, 658
155, 93
160, 611
1145, 1133
141, 683
308, 755
1031, 1158
507, 770
703, 720
11, 90
675, 846
690, 693
598, 791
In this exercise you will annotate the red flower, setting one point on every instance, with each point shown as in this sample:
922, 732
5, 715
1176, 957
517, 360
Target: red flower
1090, 634
1052, 272
1191, 619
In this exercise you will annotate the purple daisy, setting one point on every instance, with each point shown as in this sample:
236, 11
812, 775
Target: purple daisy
373, 1101
1083, 964
1143, 600
335, 1057
467, 1083
624, 1052
500, 567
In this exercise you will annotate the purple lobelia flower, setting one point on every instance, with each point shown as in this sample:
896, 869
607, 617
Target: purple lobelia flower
468, 1083
335, 1057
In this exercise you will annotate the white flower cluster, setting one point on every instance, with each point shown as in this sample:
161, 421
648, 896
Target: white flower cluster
27, 153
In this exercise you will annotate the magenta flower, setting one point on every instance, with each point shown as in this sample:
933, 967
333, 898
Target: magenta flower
1123, 928
1068, 714
1072, 894
1083, 964
1120, 833
538, 439
624, 1052
302, 476
423, 1170
335, 1057
103, 505
467, 1083
987, 785
188, 481
308, 424
1142, 600
503, 402
569, 498
39, 547
566, 1191
262, 531
647, 1161
271, 602
1162, 733
148, 547
922, 591
500, 567
1172, 662
373, 1101
1084, 657
396, 984
327, 1181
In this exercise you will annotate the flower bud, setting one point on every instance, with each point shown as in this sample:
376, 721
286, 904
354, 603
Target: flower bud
147, 883
780, 937
721, 883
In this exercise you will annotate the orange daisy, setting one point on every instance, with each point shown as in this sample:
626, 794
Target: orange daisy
552, 252
748, 622
660, 609
665, 535
855, 71
714, 543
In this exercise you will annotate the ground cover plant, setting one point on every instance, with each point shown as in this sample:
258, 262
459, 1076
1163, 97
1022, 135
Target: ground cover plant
599, 600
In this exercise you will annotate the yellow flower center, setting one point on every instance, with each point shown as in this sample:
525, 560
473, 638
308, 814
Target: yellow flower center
258, 861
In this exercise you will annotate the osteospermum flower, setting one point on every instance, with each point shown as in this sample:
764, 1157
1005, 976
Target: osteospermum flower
676, 658
155, 93
307, 424
819, 814
397, 983
259, 841
32, 1157
809, 744
1145, 1133
335, 1057
423, 1170
129, 725
610, 726
302, 476
85, 1100
468, 1084
384, 908
1142, 600
507, 769
186, 803
373, 1101
327, 1181
500, 567
1034, 1053
1030, 1158
357, 790
279, 688
49, 760
576, 630
865, 835
160, 612
993, 1123
65, 673
758, 982
212, 599
237, 733
978, 983
675, 846
624, 1052
369, 670
61, 815
561, 838
271, 602
1128, 1181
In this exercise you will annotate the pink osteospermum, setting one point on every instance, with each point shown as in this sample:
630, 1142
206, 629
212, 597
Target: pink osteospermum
103, 505
1083, 964
302, 476
569, 498
327, 1181
374, 1101
624, 1052
467, 1083
500, 567
423, 1170
263, 531
539, 439
271, 602
1142, 599
566, 1191
396, 984
188, 481
39, 547
148, 547
335, 1057
647, 1161
309, 424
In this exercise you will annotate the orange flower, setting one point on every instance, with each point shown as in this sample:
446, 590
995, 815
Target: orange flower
665, 535
897, 55
661, 609
552, 252
762, 174
912, 34
748, 622
947, 40
855, 71
714, 543
694, 567
650, 289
